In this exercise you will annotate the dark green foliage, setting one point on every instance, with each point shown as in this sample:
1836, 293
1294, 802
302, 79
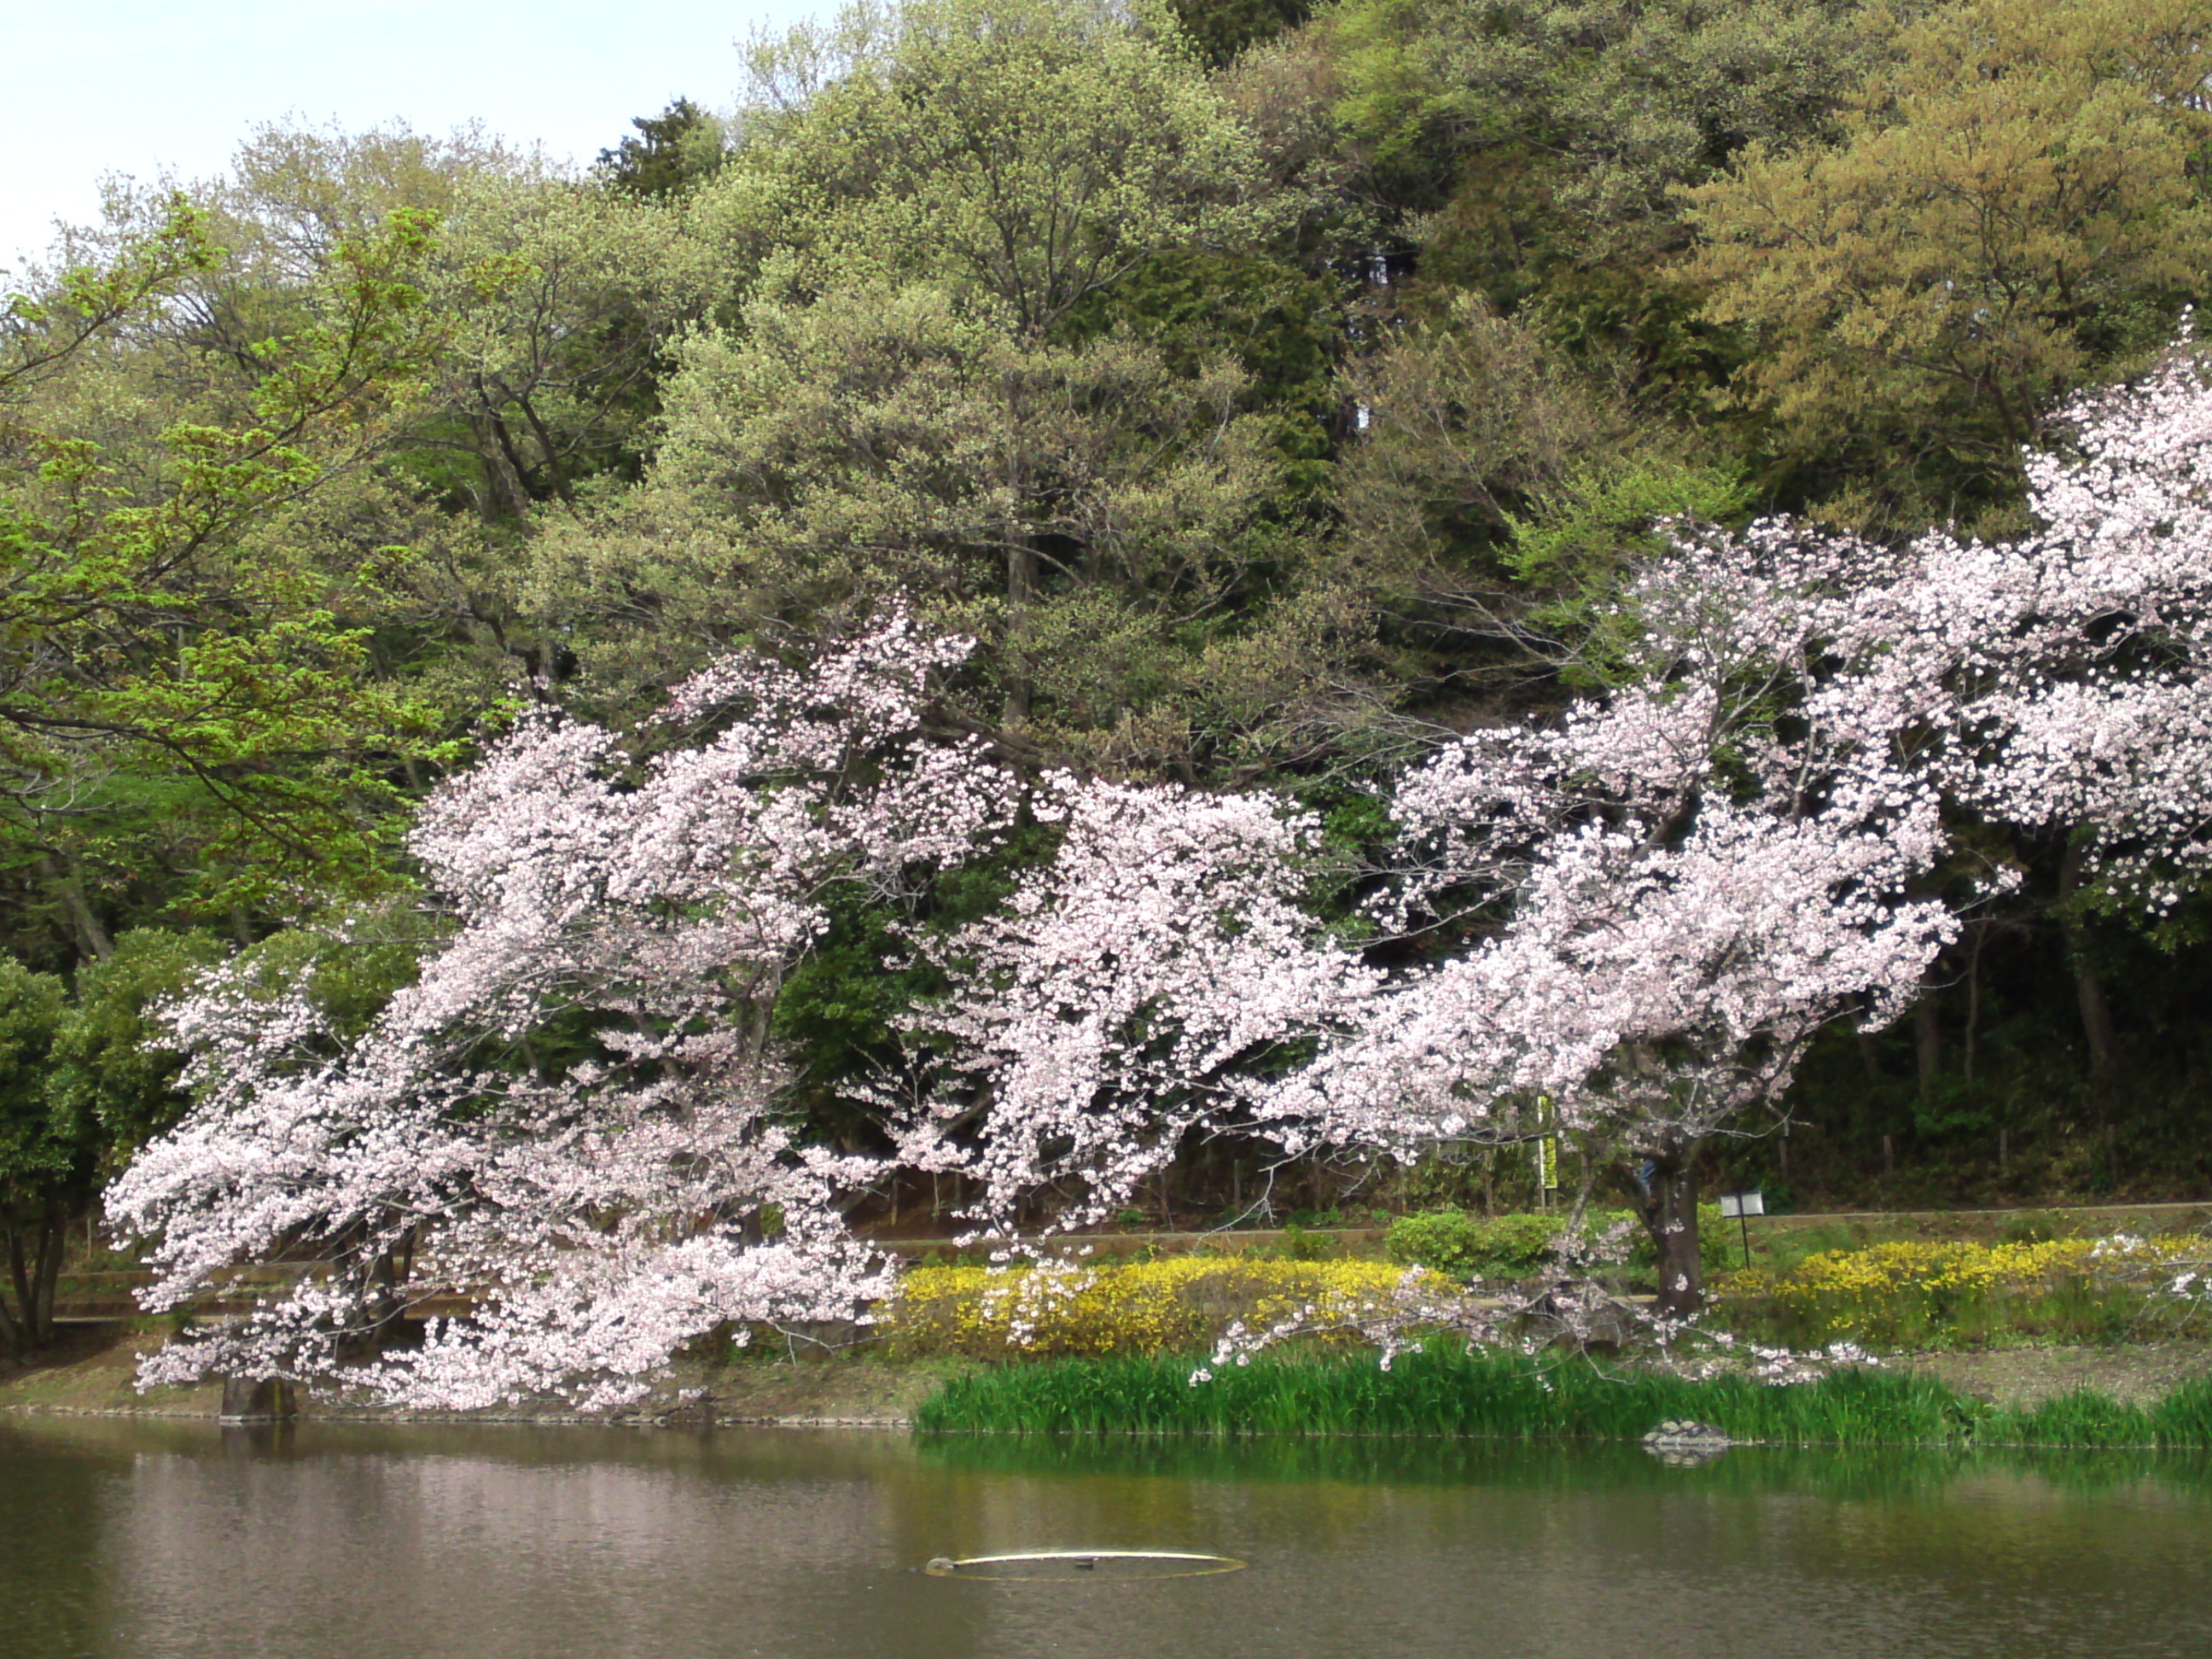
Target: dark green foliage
669, 153
84, 1082
45, 1172
112, 1082
1506, 1247
1221, 29
1284, 327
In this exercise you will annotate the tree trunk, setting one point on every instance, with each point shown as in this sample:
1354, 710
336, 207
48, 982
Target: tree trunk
1022, 566
1666, 1187
1021, 599
34, 1262
2088, 990
1927, 1042
90, 935
49, 1279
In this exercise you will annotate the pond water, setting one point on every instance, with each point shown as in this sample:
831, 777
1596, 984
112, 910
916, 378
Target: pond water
123, 1539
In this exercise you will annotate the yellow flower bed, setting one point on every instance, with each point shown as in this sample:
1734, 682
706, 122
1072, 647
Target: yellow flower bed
1177, 1304
1894, 1289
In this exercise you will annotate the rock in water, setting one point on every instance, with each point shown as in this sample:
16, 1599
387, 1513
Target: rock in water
1683, 1443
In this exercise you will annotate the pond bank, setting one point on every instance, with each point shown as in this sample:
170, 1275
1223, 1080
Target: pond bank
92, 1372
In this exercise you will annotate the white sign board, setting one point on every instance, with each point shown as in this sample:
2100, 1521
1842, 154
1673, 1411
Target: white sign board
1742, 1204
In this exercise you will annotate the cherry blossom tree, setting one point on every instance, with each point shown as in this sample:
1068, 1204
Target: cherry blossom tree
1630, 925
568, 1123
1128, 996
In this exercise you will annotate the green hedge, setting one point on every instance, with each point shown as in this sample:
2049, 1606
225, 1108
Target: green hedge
1468, 1247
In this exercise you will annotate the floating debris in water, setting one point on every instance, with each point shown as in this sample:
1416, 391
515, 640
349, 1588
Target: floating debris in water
1066, 1564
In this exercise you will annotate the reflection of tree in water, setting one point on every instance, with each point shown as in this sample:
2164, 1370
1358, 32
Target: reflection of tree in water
50, 1537
1846, 1474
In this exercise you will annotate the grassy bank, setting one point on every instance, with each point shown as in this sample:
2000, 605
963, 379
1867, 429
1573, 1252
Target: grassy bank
1516, 1398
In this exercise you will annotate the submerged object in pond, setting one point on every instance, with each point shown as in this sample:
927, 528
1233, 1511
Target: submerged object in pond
1066, 1564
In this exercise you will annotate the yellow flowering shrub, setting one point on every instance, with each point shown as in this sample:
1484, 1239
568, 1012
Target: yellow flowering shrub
1177, 1305
1899, 1292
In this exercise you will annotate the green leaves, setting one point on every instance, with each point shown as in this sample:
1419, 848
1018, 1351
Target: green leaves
2005, 211
152, 651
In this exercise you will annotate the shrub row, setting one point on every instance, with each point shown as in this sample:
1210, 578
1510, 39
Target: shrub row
1909, 1294
1176, 1304
1468, 1247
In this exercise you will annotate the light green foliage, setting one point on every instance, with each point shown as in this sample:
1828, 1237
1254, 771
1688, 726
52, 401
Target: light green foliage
1602, 517
1031, 152
1579, 538
549, 294
1502, 486
1485, 1394
1533, 151
1474, 415
159, 663
980, 364
2015, 204
556, 296
1101, 522
62, 311
1584, 114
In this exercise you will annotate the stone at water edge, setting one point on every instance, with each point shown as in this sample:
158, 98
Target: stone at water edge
1682, 1443
1688, 1433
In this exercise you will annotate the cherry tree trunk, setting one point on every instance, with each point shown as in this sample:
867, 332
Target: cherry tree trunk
2088, 990
1666, 1186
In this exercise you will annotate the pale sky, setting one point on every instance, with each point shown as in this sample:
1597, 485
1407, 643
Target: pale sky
141, 86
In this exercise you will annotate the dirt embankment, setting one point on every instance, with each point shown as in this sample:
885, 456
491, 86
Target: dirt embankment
92, 1371
2136, 1374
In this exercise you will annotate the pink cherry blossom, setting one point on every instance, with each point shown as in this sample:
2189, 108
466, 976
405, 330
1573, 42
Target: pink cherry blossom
568, 1121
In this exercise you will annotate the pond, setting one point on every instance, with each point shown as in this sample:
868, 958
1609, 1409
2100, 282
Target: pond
134, 1540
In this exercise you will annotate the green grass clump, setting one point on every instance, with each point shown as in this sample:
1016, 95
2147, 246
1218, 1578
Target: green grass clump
1436, 1391
1442, 1390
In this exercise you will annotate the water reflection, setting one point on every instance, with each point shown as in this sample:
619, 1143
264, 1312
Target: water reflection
127, 1540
